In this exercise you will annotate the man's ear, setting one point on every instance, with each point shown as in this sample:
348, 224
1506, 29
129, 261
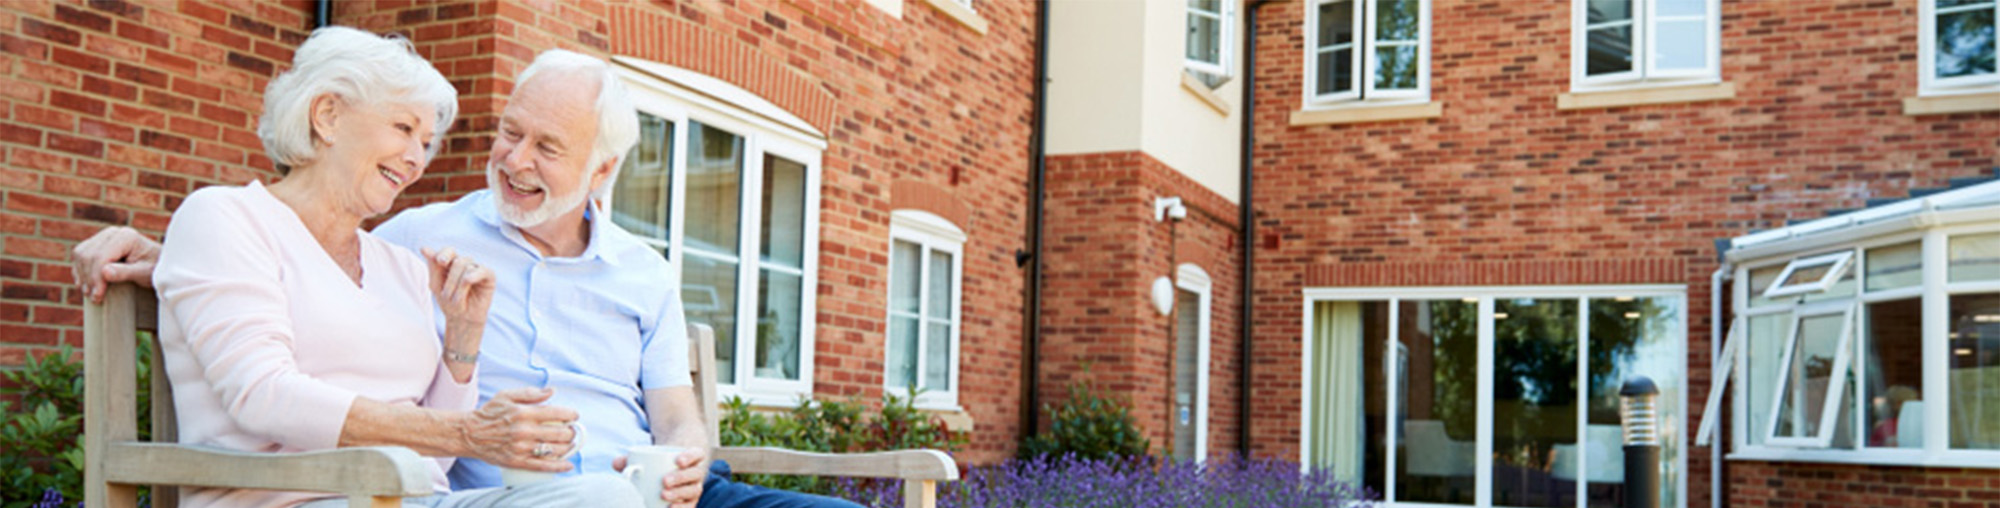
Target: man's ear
324, 113
603, 172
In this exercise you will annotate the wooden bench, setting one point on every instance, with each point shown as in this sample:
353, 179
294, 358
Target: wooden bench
116, 463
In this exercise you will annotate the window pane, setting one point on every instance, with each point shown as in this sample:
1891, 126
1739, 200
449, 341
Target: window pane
1205, 5
714, 183
778, 325
1438, 354
1680, 7
1628, 337
1397, 20
1973, 257
1760, 280
784, 216
1766, 349
937, 357
1204, 39
941, 281
1534, 397
1895, 266
1941, 4
1965, 43
1809, 377
1187, 356
1975, 372
1336, 24
1894, 362
902, 352
1610, 50
1348, 406
1396, 68
1842, 287
708, 294
903, 277
1683, 45
1336, 71
641, 197
1609, 10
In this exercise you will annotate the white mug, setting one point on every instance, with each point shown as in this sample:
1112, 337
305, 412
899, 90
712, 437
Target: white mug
513, 477
646, 465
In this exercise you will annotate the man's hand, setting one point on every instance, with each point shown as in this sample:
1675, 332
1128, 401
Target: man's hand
682, 488
116, 254
512, 430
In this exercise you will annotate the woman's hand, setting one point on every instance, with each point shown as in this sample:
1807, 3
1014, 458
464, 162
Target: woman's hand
512, 430
463, 288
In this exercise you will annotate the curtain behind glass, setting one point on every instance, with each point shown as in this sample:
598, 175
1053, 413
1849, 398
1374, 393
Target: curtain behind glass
1337, 384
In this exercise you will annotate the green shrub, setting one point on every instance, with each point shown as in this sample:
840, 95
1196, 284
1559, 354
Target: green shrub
1088, 426
833, 427
45, 438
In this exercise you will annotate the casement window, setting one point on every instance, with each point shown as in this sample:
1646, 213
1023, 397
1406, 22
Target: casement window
1210, 45
1957, 46
1362, 51
1632, 43
1896, 361
1490, 396
925, 271
725, 185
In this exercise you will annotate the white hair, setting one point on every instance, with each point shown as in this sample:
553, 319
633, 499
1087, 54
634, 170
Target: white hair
617, 121
358, 67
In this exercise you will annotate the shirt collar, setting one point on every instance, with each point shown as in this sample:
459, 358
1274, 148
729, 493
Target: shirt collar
600, 230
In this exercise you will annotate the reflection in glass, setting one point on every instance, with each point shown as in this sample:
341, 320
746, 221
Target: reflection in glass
1841, 288
1610, 50
1335, 72
904, 291
1187, 334
781, 270
1809, 376
713, 222
1894, 361
1397, 20
1396, 68
1974, 375
1766, 348
1965, 43
1534, 398
1204, 36
1973, 257
937, 339
1895, 266
1629, 337
1604, 11
1761, 280
643, 193
778, 324
1438, 348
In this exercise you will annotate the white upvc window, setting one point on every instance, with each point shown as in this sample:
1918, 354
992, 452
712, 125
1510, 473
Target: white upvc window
726, 186
1955, 51
1367, 51
1193, 306
1490, 396
1210, 45
925, 271
1637, 43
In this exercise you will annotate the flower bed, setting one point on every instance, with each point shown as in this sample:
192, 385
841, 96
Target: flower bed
1069, 482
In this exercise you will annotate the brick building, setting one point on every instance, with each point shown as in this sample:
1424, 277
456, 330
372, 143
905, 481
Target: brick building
1472, 219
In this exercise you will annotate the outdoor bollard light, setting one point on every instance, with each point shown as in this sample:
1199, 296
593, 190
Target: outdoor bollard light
1638, 411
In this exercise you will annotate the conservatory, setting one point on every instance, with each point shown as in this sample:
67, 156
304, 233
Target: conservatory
1868, 337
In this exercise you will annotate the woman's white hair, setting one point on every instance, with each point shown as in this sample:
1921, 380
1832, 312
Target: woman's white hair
617, 121
359, 68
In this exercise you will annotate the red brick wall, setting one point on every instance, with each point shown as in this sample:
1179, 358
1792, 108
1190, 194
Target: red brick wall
1841, 485
1503, 176
110, 113
1104, 251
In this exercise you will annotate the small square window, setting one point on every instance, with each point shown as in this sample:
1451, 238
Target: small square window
1810, 275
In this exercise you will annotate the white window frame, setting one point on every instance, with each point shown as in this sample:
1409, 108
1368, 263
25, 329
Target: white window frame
1645, 73
1363, 59
1225, 43
1927, 81
932, 233
680, 96
1839, 260
1193, 279
1843, 353
1485, 297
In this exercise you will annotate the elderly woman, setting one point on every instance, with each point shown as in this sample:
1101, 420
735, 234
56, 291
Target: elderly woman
286, 328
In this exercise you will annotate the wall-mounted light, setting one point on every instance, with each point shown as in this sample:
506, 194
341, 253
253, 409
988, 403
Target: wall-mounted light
1163, 295
1168, 207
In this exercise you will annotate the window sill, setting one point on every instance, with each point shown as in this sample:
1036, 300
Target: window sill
1201, 90
893, 7
1646, 96
964, 15
1362, 114
1908, 457
1943, 104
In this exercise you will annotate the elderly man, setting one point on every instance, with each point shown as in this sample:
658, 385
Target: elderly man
578, 305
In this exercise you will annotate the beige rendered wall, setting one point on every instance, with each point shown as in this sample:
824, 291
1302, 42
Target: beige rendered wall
1181, 129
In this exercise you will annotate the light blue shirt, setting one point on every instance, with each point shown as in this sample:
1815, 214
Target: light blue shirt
600, 328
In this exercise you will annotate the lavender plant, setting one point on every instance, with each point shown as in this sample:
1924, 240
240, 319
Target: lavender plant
1143, 482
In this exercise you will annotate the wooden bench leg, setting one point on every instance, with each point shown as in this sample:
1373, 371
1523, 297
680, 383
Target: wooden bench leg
919, 494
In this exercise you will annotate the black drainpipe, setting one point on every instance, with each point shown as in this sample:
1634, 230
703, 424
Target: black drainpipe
322, 13
1031, 411
1249, 224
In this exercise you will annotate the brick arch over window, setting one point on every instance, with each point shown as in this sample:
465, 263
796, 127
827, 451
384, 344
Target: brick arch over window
646, 33
915, 195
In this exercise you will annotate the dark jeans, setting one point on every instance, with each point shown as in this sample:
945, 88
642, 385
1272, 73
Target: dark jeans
719, 492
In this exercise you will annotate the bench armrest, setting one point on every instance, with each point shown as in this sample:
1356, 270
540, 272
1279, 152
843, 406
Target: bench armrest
374, 471
904, 464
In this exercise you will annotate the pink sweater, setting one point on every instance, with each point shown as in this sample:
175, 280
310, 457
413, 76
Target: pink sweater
267, 342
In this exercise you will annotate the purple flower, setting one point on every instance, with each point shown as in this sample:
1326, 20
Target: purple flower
1070, 482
